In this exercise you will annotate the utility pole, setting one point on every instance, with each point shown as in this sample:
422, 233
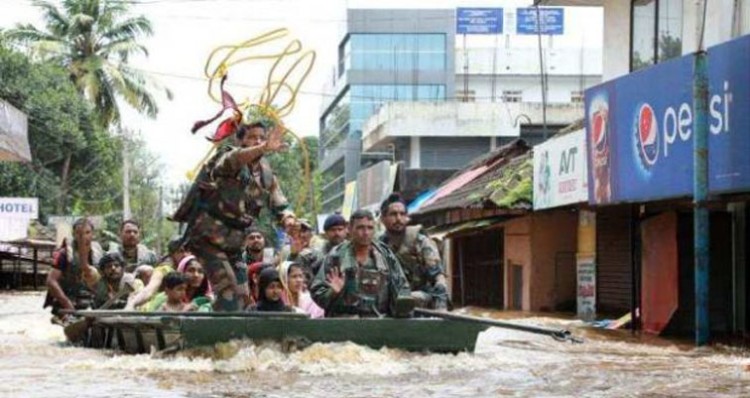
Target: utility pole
126, 136
159, 218
541, 71
700, 182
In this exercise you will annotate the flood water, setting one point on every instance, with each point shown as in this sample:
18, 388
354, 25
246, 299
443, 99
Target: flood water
36, 362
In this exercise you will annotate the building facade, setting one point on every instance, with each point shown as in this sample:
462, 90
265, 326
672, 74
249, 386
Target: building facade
384, 56
432, 100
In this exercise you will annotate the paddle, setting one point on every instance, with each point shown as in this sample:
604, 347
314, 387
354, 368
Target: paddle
557, 334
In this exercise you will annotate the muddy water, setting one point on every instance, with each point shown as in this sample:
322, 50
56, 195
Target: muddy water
35, 362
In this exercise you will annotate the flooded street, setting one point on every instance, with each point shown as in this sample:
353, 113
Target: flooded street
35, 362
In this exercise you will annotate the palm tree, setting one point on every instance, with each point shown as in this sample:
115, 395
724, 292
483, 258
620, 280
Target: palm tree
94, 40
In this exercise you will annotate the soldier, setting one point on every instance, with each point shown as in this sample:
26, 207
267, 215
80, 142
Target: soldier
335, 231
362, 277
73, 275
226, 199
418, 254
132, 250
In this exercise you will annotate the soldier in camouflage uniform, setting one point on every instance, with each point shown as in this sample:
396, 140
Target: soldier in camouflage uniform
301, 252
418, 254
226, 199
362, 277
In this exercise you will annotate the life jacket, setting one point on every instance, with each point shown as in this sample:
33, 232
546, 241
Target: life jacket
72, 283
409, 256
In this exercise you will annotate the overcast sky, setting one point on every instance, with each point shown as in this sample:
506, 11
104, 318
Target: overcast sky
186, 31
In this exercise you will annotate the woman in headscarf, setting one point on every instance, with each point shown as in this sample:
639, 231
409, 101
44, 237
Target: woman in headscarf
271, 293
293, 279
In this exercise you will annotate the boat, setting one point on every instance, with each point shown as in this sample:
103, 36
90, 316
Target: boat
136, 332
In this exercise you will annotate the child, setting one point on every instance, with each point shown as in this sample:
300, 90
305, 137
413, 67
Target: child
175, 289
271, 292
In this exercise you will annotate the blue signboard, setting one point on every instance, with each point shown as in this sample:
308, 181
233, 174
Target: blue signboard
552, 21
479, 21
639, 129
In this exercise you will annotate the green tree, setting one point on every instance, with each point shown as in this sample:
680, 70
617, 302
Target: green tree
94, 40
75, 162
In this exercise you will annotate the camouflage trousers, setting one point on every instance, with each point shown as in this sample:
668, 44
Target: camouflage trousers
219, 250
432, 296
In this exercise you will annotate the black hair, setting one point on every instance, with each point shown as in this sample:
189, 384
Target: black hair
129, 221
391, 199
254, 230
361, 214
81, 222
294, 264
243, 129
112, 258
174, 279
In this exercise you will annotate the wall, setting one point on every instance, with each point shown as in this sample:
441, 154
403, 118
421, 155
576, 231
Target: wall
616, 49
553, 248
559, 88
518, 251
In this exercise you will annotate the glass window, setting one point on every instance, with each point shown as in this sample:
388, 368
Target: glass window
669, 29
656, 32
403, 51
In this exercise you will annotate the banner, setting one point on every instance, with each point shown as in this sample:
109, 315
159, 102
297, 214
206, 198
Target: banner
560, 171
639, 129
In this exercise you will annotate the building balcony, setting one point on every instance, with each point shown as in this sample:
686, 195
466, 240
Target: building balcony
458, 119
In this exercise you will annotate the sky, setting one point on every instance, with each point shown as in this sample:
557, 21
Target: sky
186, 31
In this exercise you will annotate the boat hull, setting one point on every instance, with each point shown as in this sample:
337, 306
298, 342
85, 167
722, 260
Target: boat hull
138, 333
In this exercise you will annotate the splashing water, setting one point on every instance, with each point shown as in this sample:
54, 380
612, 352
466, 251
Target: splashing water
36, 362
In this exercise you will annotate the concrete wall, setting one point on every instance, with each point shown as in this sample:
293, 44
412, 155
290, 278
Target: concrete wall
455, 119
517, 235
559, 88
554, 239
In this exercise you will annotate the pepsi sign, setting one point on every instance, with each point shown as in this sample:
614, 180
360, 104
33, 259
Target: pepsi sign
640, 129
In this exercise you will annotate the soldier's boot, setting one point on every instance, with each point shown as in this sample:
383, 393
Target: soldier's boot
404, 305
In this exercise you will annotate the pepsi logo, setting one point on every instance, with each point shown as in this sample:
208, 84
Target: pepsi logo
647, 135
599, 129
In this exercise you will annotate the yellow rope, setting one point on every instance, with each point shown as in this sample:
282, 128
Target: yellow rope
275, 85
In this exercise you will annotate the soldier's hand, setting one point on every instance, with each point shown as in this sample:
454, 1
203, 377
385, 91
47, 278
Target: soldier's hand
335, 280
275, 142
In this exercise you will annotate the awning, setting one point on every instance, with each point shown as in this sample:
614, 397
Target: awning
14, 141
443, 231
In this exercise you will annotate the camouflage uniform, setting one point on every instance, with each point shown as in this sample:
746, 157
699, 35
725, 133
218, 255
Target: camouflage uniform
227, 198
420, 259
103, 292
144, 256
370, 289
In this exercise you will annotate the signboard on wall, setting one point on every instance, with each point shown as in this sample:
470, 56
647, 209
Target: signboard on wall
560, 171
639, 129
586, 300
15, 214
479, 21
551, 18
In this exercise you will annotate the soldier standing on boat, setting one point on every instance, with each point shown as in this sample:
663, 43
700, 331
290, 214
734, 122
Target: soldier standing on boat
362, 276
225, 200
418, 254
73, 274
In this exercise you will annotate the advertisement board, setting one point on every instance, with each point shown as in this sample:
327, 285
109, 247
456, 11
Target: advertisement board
560, 171
639, 129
